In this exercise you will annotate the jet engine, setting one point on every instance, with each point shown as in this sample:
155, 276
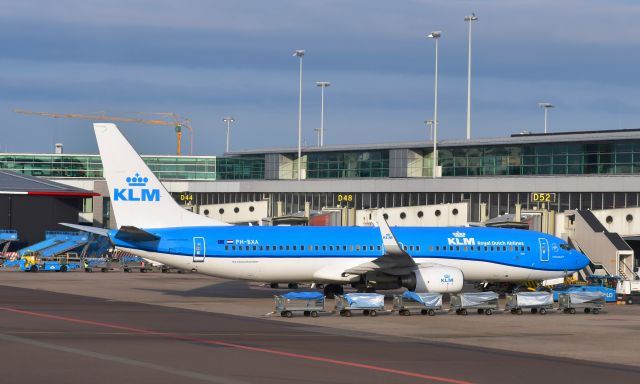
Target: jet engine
434, 279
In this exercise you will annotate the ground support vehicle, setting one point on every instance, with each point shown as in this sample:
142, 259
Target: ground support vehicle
536, 302
101, 263
369, 303
423, 303
590, 302
33, 262
483, 302
131, 263
307, 303
609, 293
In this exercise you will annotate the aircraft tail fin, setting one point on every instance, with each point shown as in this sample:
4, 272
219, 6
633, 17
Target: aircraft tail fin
137, 196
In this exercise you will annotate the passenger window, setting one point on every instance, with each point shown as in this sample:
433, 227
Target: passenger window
457, 247
451, 248
504, 247
379, 248
431, 247
492, 247
344, 247
357, 247
281, 247
331, 247
411, 247
528, 248
267, 248
233, 248
351, 247
324, 247
405, 247
465, 248
310, 247
295, 247
510, 248
472, 247
364, 247
371, 247
226, 247
317, 248
486, 248
254, 247
417, 247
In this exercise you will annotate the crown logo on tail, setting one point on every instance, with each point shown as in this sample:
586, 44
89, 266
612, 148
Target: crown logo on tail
137, 181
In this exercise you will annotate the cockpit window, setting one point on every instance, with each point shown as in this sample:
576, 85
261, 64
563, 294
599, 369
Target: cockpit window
566, 247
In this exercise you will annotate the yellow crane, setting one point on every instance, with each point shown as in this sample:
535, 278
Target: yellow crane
182, 122
177, 124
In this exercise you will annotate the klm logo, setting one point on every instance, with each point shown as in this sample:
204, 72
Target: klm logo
136, 190
446, 279
459, 238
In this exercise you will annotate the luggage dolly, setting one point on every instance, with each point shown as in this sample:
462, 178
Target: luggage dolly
483, 302
369, 303
536, 302
589, 302
308, 303
424, 303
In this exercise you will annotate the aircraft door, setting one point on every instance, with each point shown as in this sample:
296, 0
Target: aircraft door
544, 249
199, 249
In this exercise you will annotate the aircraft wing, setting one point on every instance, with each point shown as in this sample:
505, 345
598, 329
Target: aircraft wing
395, 260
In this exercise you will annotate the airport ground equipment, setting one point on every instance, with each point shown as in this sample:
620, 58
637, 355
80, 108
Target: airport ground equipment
483, 302
34, 262
423, 303
610, 294
131, 263
369, 303
307, 303
536, 302
590, 302
101, 263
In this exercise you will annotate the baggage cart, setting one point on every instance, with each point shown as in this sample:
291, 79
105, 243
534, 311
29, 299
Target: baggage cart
369, 303
101, 263
130, 263
589, 302
423, 303
483, 302
536, 302
307, 303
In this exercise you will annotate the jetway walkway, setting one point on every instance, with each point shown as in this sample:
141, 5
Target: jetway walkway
608, 252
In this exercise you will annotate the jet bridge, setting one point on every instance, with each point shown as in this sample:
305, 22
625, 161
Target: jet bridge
609, 253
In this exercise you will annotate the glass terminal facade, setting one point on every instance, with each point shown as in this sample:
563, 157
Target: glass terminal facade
165, 167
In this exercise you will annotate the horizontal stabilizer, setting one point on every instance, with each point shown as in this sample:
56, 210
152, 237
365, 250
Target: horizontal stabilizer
134, 234
86, 228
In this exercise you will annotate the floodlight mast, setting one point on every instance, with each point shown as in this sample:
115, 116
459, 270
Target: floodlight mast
322, 85
299, 53
545, 106
470, 19
228, 120
436, 36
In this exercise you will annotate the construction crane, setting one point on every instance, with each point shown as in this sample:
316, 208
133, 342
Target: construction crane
182, 122
177, 124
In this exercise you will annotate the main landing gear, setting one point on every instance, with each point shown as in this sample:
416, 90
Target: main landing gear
331, 290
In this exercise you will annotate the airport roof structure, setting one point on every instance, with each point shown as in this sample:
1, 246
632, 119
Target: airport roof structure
19, 184
515, 139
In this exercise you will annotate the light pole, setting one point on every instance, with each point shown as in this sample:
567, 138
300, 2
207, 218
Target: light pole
436, 36
470, 19
300, 54
228, 120
429, 124
546, 107
322, 85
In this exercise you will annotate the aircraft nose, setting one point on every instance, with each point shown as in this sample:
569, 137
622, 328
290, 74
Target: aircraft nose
581, 260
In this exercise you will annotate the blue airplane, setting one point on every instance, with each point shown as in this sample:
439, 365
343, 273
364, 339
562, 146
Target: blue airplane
425, 259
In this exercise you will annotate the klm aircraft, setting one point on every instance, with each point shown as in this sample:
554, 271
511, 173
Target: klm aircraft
152, 225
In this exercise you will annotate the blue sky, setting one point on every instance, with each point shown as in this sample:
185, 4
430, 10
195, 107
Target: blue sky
209, 59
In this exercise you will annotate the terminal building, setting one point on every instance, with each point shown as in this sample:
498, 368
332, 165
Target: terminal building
475, 181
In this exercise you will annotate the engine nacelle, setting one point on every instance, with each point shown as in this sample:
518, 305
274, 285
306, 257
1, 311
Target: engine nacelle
434, 279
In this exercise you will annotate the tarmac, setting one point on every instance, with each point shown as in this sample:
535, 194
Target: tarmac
165, 328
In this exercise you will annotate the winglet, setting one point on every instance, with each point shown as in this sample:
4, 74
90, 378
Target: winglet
391, 244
